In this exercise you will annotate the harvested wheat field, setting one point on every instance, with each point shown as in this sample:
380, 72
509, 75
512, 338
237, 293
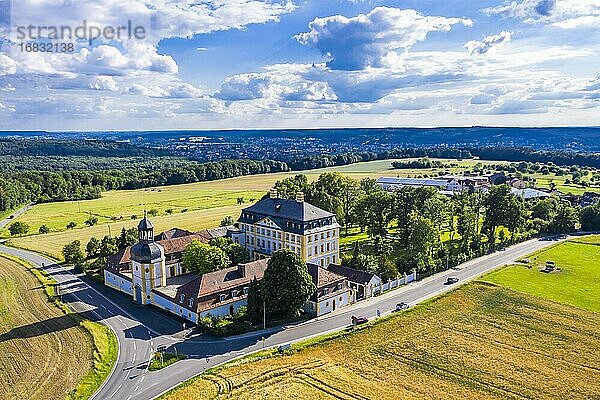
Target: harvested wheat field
43, 352
479, 342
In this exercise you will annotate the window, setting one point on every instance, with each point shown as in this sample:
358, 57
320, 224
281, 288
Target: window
181, 298
234, 294
246, 290
339, 286
191, 303
325, 291
222, 297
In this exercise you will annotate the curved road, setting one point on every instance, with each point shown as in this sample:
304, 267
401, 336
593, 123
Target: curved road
140, 330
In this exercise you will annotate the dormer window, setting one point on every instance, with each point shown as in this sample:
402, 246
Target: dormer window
182, 298
234, 293
246, 290
191, 303
325, 291
222, 297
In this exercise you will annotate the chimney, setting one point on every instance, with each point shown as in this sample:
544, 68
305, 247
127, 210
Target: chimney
300, 197
273, 193
242, 269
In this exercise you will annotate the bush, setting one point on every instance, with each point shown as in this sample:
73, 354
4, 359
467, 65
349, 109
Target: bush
226, 326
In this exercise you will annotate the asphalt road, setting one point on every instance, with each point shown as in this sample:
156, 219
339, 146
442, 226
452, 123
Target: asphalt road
14, 215
140, 330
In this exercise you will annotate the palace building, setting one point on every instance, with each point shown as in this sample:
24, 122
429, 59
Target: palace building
274, 223
151, 272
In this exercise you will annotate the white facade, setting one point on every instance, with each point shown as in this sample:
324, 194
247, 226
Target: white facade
147, 276
330, 304
172, 307
318, 246
225, 309
118, 282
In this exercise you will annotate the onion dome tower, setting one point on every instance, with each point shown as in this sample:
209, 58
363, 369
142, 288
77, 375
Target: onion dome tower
147, 263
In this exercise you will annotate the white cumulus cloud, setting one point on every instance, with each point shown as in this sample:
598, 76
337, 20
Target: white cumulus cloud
374, 39
475, 47
566, 14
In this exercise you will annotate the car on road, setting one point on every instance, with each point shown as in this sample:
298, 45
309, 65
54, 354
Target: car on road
451, 280
401, 306
359, 320
11, 217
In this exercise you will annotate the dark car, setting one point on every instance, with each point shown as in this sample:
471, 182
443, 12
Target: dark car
451, 280
401, 306
359, 320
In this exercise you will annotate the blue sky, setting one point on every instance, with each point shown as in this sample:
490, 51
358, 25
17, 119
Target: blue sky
224, 64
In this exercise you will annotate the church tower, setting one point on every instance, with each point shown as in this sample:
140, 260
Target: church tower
147, 263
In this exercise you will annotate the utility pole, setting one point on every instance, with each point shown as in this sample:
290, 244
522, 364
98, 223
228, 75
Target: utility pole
264, 314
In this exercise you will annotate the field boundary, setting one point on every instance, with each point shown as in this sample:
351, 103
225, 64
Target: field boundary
86, 387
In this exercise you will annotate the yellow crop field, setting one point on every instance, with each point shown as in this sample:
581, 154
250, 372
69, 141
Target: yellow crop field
44, 354
478, 342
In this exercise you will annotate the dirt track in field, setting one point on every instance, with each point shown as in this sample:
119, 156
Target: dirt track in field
43, 352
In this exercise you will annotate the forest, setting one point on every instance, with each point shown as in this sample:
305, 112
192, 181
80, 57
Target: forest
59, 170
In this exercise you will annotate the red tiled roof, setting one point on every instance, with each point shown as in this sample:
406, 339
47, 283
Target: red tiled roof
120, 260
173, 233
233, 277
322, 277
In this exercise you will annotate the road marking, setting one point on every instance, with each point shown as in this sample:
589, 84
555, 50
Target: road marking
142, 380
136, 388
115, 392
90, 296
134, 346
133, 358
130, 396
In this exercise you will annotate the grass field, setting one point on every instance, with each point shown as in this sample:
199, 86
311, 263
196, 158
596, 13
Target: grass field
207, 204
577, 283
44, 354
479, 342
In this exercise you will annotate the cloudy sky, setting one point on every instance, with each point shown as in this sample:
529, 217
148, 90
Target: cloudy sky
220, 64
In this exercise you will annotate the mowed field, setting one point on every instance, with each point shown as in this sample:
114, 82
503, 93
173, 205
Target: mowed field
207, 203
478, 342
577, 283
481, 341
44, 353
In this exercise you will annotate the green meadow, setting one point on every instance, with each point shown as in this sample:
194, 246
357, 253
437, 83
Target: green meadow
193, 206
577, 283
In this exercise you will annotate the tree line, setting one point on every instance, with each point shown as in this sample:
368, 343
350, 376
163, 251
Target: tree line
20, 185
416, 227
19, 188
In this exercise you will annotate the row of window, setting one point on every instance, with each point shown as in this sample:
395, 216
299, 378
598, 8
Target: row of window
222, 296
324, 248
293, 224
322, 235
